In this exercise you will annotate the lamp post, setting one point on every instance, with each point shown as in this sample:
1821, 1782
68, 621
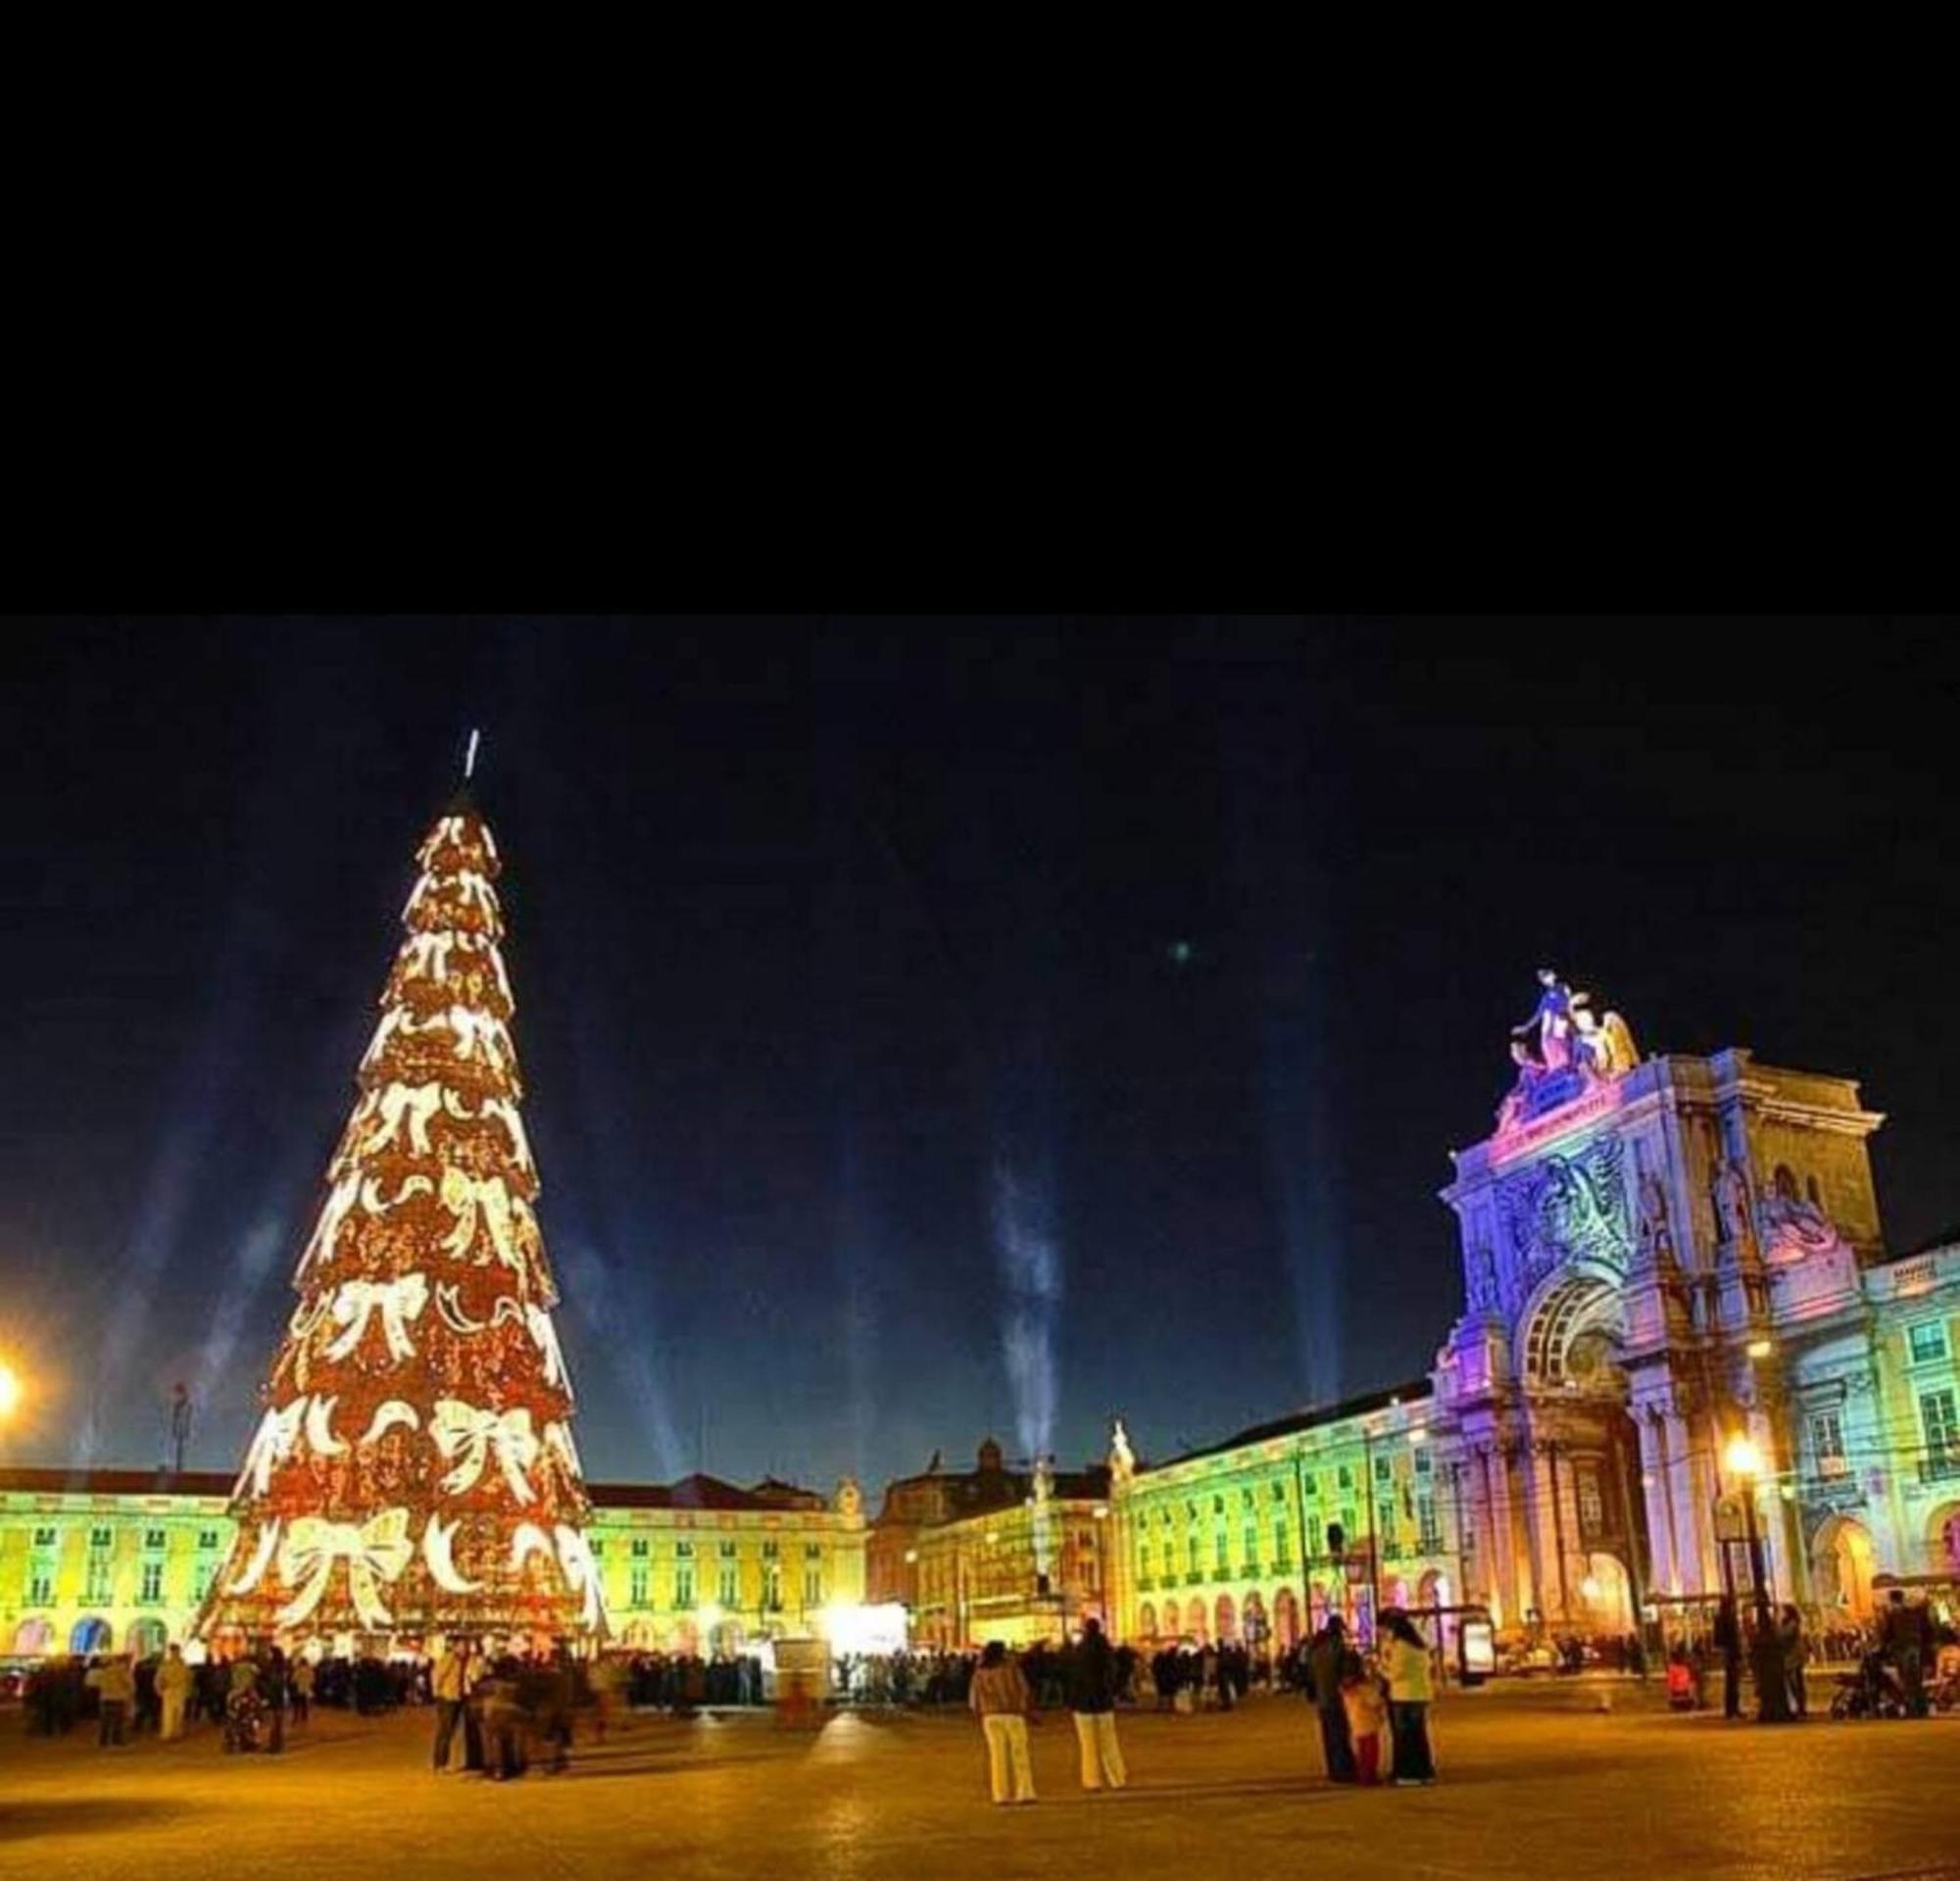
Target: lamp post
1745, 1464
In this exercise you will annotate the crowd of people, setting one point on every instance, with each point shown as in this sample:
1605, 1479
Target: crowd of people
1905, 1657
1372, 1708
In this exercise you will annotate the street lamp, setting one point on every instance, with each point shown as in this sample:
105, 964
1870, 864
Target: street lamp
10, 1389
1745, 1464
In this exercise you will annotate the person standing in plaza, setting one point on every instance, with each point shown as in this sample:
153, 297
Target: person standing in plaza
1367, 1711
172, 1693
1795, 1650
303, 1677
1092, 1698
1328, 1663
999, 1697
273, 1697
450, 1685
114, 1688
1728, 1643
1410, 1693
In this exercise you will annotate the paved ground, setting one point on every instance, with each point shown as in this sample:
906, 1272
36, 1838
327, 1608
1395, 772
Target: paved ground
1534, 1782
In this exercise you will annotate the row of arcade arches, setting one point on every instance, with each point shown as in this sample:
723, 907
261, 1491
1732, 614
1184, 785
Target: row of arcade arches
34, 1638
1282, 1623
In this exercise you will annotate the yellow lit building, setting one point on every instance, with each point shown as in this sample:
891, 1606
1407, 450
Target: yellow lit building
95, 1560
992, 1552
1261, 1537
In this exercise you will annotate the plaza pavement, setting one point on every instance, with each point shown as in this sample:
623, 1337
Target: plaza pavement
1534, 1781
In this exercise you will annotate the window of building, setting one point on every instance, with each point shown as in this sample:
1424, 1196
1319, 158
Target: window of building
643, 1545
813, 1551
1314, 1548
1426, 1521
1190, 1555
1927, 1341
1384, 1525
207, 1538
44, 1538
40, 1584
1245, 1497
102, 1538
813, 1585
1827, 1443
1248, 1542
1346, 1478
1282, 1545
725, 1589
771, 1549
684, 1584
152, 1589
95, 1587
1279, 1490
1591, 1507
1424, 1463
597, 1544
1937, 1411
636, 1585
1384, 1470
772, 1584
1218, 1505
153, 1539
1218, 1546
1143, 1559
207, 1572
729, 1551
683, 1551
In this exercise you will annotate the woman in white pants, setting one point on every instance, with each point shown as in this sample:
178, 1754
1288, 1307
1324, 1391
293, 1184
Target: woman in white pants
1000, 1695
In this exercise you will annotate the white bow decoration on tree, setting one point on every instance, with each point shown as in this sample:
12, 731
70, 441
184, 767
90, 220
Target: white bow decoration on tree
333, 1212
544, 1335
413, 1103
275, 1439
374, 1551
400, 1301
581, 1572
262, 1558
468, 1199
468, 1436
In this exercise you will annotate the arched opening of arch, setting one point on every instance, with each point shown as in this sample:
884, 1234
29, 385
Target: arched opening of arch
1842, 1563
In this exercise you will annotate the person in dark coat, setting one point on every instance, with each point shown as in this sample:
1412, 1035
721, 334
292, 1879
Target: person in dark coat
1330, 1662
1728, 1631
1090, 1680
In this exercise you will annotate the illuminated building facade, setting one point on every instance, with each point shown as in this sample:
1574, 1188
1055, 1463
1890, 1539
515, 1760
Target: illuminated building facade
994, 1553
1657, 1256
1262, 1538
111, 1560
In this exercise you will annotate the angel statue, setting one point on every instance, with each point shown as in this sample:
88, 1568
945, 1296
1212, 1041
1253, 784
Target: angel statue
1605, 1044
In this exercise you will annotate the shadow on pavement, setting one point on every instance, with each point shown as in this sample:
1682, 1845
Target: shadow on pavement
82, 1815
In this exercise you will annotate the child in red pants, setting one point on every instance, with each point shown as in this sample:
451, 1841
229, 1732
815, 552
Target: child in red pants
1367, 1711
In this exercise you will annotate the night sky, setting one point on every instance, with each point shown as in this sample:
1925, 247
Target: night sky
926, 1021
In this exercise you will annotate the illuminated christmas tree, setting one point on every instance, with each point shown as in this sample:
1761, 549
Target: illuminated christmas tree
414, 1471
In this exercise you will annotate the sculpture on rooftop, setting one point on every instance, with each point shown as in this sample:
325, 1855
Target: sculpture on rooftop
1562, 1051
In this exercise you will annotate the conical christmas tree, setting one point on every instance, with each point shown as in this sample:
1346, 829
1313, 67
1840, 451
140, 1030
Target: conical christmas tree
414, 1471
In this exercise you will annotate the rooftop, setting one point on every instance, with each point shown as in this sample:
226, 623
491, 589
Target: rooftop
1417, 1391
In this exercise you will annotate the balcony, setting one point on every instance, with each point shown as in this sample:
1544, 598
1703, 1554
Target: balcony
1940, 1469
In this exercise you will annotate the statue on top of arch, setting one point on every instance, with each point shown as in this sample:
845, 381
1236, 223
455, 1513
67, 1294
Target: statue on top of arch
1562, 1051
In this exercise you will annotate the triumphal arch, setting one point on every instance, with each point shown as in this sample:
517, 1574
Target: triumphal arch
1657, 1253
